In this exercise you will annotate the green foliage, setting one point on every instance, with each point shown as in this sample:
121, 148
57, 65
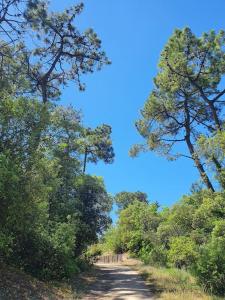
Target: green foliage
6, 242
188, 235
96, 145
138, 223
182, 252
155, 255
93, 206
43, 256
93, 252
185, 104
49, 213
213, 150
123, 199
57, 53
210, 267
112, 241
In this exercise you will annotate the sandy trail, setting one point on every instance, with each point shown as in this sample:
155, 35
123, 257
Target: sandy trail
117, 282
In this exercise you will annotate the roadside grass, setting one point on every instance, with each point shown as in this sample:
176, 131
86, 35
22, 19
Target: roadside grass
15, 284
171, 283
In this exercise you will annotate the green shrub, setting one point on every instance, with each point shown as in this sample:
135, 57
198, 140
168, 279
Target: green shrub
38, 256
112, 241
145, 254
182, 252
210, 266
6, 242
155, 255
159, 256
93, 252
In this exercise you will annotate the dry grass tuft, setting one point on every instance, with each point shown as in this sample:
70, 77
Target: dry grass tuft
171, 284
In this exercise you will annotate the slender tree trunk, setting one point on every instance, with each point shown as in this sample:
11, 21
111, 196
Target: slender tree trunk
215, 115
217, 164
44, 93
219, 169
218, 129
36, 134
210, 104
190, 146
198, 164
85, 160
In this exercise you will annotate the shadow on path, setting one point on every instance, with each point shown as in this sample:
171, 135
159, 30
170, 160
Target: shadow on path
116, 282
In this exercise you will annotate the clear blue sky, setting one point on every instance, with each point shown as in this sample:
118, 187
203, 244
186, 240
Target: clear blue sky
133, 33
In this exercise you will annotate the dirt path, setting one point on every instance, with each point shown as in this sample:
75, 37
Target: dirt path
117, 282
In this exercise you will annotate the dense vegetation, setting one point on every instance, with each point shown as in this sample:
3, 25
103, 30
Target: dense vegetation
50, 209
185, 106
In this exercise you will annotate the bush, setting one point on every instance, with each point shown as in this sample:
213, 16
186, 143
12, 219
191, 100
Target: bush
159, 256
47, 253
112, 241
210, 267
93, 252
6, 242
182, 252
39, 257
145, 254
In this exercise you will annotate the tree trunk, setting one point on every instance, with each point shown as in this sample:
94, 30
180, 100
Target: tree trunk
36, 134
85, 160
215, 115
210, 104
194, 155
199, 165
219, 169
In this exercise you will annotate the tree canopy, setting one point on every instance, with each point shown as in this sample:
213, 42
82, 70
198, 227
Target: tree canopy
186, 103
50, 211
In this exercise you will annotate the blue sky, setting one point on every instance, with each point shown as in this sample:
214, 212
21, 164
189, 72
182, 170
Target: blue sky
133, 33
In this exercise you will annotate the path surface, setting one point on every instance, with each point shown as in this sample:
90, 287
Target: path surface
117, 282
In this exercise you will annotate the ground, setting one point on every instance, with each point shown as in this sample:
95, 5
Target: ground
118, 282
16, 285
105, 282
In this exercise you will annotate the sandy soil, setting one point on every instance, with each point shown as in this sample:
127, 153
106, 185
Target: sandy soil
118, 282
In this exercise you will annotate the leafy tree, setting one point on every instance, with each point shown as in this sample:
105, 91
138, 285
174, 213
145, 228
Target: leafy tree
93, 205
200, 63
124, 199
46, 212
49, 213
138, 224
211, 210
186, 101
57, 52
62, 140
95, 144
63, 53
177, 221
